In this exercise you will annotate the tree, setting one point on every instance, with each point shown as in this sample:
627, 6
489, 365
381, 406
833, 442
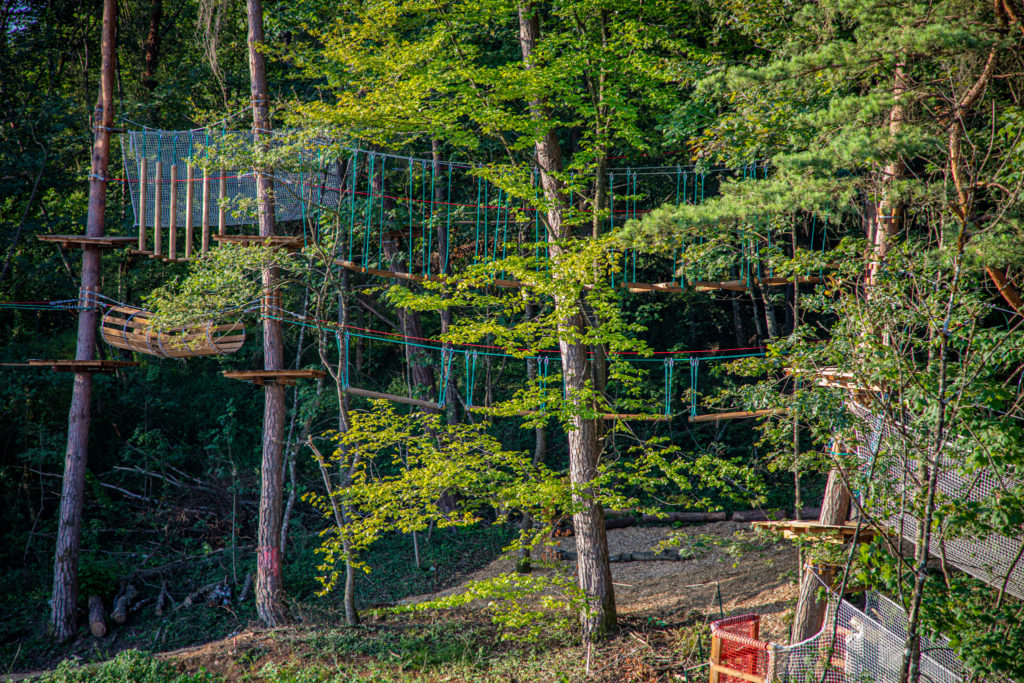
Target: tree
64, 609
503, 78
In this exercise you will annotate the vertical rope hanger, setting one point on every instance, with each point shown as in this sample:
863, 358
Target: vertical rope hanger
383, 192
352, 207
408, 203
476, 238
669, 367
443, 265
368, 218
694, 367
429, 237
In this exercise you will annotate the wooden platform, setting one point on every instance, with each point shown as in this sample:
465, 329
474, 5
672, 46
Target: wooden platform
82, 365
831, 377
366, 393
283, 377
741, 285
832, 533
83, 242
288, 242
736, 415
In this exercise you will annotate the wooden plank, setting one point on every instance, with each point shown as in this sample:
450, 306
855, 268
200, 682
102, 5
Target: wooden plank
366, 393
189, 192
717, 669
85, 242
158, 192
736, 415
222, 211
142, 204
794, 529
283, 377
413, 277
633, 417
172, 217
206, 212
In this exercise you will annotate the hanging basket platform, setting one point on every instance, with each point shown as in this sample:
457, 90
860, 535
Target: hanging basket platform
625, 417
84, 242
285, 378
129, 328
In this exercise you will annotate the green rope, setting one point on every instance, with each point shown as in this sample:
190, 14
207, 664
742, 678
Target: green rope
352, 207
409, 204
369, 211
447, 226
476, 239
380, 243
694, 367
669, 367
430, 232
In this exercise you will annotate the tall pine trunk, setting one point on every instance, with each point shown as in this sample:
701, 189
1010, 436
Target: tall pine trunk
593, 568
269, 581
64, 606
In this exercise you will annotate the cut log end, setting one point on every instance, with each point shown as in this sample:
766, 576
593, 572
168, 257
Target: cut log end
97, 620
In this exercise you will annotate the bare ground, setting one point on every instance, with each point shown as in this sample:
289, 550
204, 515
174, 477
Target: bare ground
728, 571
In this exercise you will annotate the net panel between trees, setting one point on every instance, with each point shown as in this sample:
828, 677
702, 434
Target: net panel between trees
854, 646
886, 456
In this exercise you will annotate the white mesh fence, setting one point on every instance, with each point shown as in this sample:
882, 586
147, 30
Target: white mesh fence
993, 558
312, 178
861, 646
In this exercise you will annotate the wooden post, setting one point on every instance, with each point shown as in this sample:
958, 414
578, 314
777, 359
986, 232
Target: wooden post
158, 193
716, 657
64, 601
206, 212
142, 204
222, 214
810, 611
189, 191
172, 217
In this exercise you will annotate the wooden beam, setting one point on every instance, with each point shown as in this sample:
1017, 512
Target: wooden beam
71, 365
625, 417
366, 393
85, 242
283, 377
289, 242
736, 415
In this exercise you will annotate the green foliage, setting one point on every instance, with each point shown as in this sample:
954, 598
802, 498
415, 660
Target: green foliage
130, 665
524, 607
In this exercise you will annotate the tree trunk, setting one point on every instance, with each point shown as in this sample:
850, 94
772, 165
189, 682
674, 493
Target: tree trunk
152, 59
269, 582
593, 568
63, 614
540, 448
810, 611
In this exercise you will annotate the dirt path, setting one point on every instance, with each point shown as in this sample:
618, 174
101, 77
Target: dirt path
728, 571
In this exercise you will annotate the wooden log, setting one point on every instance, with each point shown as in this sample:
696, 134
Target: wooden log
158, 207
206, 212
758, 515
697, 517
243, 594
392, 397
172, 217
735, 415
222, 212
189, 192
123, 602
162, 599
97, 617
142, 204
